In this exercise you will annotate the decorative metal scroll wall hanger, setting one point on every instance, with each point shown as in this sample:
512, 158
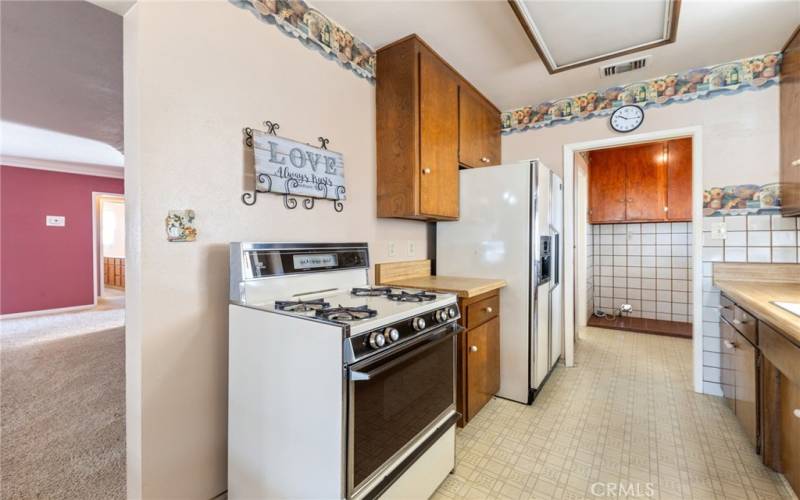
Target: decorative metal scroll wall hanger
290, 185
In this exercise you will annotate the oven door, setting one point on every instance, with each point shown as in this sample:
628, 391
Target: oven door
395, 399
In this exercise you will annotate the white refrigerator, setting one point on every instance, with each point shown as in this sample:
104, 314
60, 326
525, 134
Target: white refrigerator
510, 227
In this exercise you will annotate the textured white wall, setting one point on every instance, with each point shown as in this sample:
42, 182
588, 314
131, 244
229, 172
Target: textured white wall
196, 73
740, 136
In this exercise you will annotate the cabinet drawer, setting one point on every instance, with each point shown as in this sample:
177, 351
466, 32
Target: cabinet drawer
726, 308
483, 311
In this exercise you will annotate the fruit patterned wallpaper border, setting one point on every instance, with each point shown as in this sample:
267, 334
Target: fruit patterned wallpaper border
315, 30
751, 73
744, 199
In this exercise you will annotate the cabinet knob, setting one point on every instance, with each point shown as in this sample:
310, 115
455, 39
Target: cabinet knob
473, 348
622, 200
666, 209
426, 170
485, 159
489, 310
729, 344
796, 412
796, 163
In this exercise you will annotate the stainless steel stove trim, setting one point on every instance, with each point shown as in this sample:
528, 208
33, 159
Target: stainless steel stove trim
373, 479
238, 262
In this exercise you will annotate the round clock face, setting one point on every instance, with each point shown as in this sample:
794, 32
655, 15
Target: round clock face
627, 118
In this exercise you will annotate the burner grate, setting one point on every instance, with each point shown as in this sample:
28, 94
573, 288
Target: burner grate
301, 305
371, 291
404, 296
347, 313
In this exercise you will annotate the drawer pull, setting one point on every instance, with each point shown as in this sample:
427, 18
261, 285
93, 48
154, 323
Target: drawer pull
796, 163
489, 310
426, 170
796, 412
739, 322
485, 159
473, 348
729, 344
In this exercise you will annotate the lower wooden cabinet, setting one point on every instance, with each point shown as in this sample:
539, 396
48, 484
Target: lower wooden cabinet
478, 354
789, 422
739, 360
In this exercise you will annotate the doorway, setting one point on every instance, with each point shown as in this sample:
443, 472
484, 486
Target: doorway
572, 233
109, 246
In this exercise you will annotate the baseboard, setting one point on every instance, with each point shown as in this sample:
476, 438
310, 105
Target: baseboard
43, 312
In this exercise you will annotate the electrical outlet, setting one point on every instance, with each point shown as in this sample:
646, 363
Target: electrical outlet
412, 248
392, 249
719, 231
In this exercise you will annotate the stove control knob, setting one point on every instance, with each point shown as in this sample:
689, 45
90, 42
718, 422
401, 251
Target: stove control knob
418, 324
391, 334
452, 312
441, 315
377, 340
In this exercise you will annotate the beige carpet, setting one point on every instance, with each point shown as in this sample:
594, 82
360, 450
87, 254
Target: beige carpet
62, 410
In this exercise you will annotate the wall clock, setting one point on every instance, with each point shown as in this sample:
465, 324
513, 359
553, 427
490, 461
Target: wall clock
627, 118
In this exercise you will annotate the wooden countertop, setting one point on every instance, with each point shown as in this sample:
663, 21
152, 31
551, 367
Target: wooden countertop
755, 296
464, 287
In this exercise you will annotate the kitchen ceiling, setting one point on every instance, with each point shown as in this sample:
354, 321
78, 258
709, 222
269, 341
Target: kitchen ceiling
484, 41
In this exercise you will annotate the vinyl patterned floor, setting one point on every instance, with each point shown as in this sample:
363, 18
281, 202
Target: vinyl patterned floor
623, 423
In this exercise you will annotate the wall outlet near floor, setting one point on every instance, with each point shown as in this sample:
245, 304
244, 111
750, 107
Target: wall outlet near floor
55, 220
719, 231
412, 248
391, 249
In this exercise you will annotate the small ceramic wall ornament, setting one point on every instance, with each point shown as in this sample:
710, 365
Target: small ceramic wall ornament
180, 225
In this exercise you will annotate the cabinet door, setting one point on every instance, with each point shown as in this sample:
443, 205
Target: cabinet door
746, 368
438, 103
727, 363
790, 127
790, 431
606, 186
483, 365
679, 180
479, 130
645, 187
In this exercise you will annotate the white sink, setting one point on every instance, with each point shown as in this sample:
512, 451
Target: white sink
792, 307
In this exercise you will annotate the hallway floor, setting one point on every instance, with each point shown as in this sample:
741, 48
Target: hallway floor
625, 415
62, 405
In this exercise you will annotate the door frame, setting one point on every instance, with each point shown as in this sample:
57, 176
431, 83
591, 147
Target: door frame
696, 133
97, 232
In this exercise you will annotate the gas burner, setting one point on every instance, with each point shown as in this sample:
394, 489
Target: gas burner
404, 296
371, 291
301, 305
347, 313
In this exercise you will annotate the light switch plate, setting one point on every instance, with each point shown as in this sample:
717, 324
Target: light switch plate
55, 220
392, 249
719, 231
412, 248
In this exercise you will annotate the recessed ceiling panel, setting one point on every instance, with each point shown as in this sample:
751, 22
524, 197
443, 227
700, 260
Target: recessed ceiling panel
574, 33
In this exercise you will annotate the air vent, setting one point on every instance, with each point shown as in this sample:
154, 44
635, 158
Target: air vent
624, 66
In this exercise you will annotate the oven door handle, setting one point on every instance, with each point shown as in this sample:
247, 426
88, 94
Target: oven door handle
357, 376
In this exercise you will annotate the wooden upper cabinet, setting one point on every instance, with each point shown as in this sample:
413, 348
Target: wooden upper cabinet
679, 179
606, 187
642, 183
645, 182
479, 130
418, 113
790, 127
438, 107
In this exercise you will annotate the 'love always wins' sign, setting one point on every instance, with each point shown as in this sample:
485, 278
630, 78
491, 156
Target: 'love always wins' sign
291, 167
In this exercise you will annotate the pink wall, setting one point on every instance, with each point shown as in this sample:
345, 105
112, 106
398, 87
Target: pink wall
46, 267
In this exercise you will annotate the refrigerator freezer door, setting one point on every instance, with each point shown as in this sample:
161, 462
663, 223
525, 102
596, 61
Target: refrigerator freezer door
540, 310
492, 239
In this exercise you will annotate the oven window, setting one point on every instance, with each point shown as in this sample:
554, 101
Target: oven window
391, 409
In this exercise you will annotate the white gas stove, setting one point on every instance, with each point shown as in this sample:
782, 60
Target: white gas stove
356, 383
